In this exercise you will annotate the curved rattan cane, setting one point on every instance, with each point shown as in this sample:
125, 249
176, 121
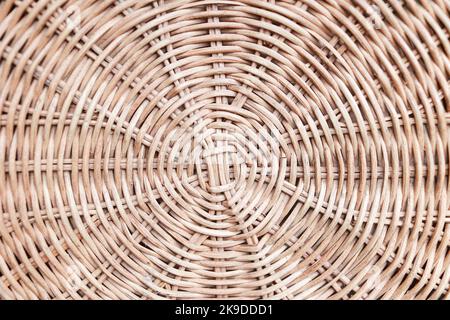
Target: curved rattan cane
224, 149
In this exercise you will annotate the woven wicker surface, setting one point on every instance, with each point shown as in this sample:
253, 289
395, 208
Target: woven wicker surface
224, 149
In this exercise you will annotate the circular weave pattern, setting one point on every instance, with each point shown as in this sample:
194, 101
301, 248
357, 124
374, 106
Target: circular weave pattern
224, 149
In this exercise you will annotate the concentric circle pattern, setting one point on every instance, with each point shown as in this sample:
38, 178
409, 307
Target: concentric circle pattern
224, 149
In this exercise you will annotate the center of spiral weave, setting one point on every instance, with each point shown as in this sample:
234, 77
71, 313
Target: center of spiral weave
211, 169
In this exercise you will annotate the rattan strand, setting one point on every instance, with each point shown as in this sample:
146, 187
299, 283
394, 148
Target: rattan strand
224, 149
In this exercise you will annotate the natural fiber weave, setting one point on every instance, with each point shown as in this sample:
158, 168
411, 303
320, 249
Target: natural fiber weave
224, 149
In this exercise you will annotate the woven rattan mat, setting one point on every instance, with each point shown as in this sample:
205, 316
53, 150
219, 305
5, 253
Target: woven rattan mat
240, 149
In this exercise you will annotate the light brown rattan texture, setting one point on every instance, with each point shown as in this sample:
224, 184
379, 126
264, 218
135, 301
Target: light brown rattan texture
224, 149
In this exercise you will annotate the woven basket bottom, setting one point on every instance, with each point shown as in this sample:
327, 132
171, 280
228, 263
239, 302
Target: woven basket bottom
224, 149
